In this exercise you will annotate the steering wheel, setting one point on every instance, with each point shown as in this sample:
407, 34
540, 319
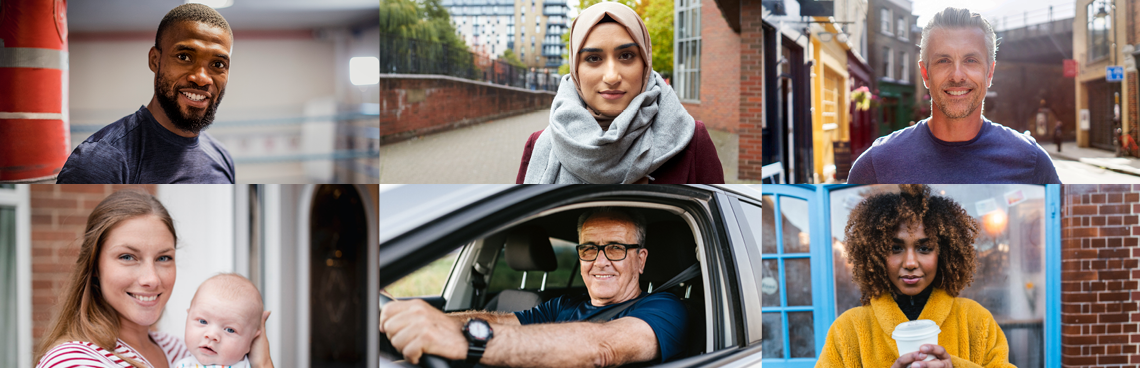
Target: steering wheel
427, 360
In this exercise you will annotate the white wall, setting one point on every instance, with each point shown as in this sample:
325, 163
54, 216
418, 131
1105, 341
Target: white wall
268, 78
20, 199
203, 217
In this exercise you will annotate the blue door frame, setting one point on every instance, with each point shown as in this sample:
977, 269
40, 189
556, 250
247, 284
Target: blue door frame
823, 284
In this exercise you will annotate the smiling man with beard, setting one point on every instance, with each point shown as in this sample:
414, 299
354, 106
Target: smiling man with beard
164, 141
956, 144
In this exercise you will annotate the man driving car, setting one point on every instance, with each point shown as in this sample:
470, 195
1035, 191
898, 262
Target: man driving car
564, 331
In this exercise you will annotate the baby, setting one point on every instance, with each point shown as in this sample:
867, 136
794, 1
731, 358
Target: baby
223, 319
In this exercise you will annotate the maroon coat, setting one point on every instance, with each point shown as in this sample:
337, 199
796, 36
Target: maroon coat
696, 164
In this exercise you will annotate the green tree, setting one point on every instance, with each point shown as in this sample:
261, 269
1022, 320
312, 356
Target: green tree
510, 57
422, 30
564, 69
658, 18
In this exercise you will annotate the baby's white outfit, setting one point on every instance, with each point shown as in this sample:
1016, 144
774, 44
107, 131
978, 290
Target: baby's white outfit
192, 362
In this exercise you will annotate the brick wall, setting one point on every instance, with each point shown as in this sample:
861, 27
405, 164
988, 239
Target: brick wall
1031, 83
1099, 273
720, 72
416, 105
59, 215
751, 91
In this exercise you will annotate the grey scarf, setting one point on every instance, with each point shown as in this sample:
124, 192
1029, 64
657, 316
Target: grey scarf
575, 150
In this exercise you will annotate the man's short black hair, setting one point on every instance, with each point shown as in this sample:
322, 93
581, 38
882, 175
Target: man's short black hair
191, 13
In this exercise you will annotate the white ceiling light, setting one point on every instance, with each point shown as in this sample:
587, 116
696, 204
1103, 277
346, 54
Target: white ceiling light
216, 4
364, 70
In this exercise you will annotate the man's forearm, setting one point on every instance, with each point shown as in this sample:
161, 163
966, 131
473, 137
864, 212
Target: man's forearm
575, 344
490, 317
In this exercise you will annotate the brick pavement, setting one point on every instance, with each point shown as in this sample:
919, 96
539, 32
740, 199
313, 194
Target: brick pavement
490, 153
482, 153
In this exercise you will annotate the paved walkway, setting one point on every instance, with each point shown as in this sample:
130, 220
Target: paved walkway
490, 153
1094, 156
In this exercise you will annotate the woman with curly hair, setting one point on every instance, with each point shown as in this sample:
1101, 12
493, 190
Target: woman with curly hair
912, 253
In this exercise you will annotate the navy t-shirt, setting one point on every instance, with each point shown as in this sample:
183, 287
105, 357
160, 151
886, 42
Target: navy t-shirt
913, 155
662, 311
137, 149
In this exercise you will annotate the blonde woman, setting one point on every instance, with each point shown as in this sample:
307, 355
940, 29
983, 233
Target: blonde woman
118, 291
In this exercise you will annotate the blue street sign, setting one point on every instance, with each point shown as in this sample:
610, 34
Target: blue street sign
1114, 73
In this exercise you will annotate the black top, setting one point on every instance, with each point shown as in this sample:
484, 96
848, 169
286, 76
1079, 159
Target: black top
912, 305
137, 149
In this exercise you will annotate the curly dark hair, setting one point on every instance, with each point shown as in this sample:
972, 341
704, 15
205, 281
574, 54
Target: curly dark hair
875, 222
192, 12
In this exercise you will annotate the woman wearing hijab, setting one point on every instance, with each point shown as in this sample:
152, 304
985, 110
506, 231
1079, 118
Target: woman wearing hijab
614, 120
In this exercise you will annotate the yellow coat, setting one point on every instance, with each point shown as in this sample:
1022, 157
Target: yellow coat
861, 337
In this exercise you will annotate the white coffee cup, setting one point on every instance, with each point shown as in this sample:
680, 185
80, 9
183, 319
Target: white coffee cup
910, 336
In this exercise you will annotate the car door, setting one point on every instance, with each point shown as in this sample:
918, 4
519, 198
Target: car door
738, 329
437, 232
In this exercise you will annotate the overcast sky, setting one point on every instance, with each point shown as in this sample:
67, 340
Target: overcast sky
1012, 12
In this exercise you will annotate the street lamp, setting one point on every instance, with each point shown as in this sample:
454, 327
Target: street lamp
840, 35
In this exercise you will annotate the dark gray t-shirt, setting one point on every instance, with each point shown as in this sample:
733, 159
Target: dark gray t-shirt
138, 150
913, 155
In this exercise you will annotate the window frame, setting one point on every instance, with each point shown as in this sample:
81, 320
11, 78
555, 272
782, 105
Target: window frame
1096, 54
722, 317
19, 198
885, 16
820, 287
889, 65
902, 31
903, 68
823, 278
687, 51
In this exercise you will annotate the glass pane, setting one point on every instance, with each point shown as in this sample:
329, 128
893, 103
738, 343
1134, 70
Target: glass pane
797, 231
503, 277
801, 335
427, 281
768, 230
1009, 280
773, 332
697, 22
567, 257
697, 87
681, 23
798, 277
8, 349
770, 284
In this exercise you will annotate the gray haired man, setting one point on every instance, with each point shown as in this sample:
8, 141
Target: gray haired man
956, 144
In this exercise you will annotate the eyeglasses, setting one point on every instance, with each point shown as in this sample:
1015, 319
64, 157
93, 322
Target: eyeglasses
614, 251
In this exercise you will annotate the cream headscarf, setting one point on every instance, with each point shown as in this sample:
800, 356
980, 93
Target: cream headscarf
581, 146
633, 24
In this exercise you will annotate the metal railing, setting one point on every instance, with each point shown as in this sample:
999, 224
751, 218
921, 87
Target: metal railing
402, 55
414, 56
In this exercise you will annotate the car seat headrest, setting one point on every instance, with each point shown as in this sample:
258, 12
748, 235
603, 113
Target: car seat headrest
528, 249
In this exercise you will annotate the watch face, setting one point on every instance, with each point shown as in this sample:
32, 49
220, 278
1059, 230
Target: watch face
479, 330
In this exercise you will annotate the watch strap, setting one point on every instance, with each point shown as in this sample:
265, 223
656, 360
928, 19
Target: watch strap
474, 352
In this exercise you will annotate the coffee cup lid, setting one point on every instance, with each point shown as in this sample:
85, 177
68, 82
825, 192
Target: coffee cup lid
915, 329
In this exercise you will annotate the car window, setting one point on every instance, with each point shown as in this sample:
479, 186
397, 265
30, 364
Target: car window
426, 281
505, 277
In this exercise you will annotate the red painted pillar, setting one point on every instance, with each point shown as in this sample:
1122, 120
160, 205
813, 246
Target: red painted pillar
35, 137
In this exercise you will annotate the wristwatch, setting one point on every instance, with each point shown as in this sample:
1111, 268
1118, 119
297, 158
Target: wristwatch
478, 333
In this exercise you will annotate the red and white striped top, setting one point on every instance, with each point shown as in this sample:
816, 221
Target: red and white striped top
82, 354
